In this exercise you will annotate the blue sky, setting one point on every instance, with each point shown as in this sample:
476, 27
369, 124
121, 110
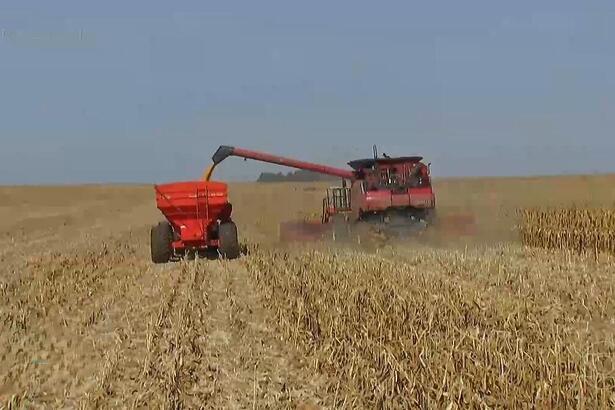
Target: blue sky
146, 91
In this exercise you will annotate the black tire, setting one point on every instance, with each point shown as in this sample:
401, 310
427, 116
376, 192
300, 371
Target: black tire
161, 242
229, 242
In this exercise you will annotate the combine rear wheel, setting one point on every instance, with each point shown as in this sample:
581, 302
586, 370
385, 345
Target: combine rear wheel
161, 240
229, 243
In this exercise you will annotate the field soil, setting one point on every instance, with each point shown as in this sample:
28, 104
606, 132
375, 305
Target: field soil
89, 322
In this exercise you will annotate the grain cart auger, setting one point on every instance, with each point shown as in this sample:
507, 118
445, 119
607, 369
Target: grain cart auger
394, 194
198, 220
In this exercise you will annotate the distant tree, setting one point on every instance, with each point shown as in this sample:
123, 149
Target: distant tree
294, 176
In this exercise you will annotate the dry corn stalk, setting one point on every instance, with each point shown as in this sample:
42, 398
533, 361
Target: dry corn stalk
466, 333
569, 228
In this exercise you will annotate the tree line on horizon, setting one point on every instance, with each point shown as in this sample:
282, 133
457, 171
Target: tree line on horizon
294, 176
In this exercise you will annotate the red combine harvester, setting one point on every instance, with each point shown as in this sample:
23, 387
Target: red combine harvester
394, 194
198, 220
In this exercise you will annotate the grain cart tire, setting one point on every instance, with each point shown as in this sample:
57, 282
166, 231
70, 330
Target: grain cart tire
161, 240
229, 243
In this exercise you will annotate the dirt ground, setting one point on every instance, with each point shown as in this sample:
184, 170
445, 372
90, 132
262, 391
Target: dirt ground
88, 321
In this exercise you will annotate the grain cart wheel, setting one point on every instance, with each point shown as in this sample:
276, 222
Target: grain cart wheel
229, 243
161, 240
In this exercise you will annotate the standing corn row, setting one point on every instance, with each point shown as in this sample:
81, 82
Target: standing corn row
569, 228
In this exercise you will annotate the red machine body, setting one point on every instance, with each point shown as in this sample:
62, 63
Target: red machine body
381, 187
391, 184
195, 212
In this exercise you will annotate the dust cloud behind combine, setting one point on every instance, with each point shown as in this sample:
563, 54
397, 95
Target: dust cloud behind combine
435, 321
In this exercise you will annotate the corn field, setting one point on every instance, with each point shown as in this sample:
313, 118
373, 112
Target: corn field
434, 330
439, 322
578, 229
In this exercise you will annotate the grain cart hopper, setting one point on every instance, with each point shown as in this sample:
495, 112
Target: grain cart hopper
392, 193
198, 220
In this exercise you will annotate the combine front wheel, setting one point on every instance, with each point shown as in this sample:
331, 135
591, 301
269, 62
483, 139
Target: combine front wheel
229, 243
161, 240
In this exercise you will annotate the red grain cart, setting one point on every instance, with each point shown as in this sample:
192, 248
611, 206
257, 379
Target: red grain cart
198, 220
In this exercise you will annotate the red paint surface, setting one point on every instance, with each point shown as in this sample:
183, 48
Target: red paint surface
193, 208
